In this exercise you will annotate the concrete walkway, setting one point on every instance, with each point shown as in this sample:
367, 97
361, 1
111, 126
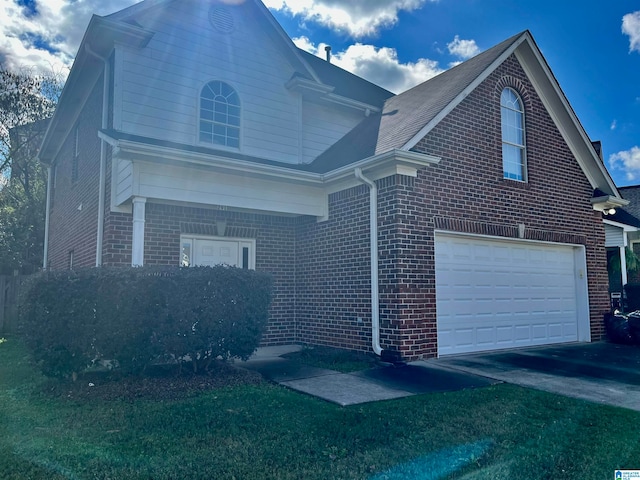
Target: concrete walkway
599, 372
380, 383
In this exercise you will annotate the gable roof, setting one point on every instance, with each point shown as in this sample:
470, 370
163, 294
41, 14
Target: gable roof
406, 114
346, 83
629, 214
122, 26
631, 193
624, 217
408, 117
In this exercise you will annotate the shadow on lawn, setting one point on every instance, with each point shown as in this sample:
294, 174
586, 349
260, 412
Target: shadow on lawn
344, 361
158, 383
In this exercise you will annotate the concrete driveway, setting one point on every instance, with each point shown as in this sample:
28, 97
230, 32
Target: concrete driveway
599, 372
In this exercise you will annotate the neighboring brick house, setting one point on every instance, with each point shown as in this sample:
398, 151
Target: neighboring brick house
197, 133
622, 234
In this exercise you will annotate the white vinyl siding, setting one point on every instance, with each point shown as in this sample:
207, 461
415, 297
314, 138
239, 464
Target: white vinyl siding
191, 185
123, 184
161, 83
613, 236
323, 126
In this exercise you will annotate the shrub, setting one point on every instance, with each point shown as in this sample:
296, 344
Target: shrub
136, 316
632, 291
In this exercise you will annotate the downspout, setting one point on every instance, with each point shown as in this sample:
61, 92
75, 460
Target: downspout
45, 256
373, 243
103, 154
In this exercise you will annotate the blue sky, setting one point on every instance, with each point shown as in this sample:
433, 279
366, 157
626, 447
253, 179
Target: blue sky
398, 43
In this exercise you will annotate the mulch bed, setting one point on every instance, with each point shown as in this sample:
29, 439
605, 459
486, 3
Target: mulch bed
159, 384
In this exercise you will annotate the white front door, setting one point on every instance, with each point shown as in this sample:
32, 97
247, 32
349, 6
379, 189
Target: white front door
499, 293
209, 251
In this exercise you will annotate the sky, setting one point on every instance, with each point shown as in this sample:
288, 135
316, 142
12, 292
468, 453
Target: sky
592, 47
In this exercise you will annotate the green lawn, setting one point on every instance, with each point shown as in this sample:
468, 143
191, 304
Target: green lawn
265, 431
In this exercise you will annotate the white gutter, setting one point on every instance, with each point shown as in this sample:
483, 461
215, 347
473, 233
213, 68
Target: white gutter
375, 299
103, 155
133, 149
45, 256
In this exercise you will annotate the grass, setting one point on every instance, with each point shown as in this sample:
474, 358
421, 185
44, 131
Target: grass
333, 359
263, 431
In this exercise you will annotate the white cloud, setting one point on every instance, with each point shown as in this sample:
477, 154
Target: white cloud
631, 27
463, 49
614, 125
378, 65
47, 39
627, 161
358, 18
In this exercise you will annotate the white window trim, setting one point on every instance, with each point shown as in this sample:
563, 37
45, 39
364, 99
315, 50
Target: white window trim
240, 127
523, 147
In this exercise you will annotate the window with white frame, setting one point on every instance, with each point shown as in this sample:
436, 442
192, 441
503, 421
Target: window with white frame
202, 250
513, 136
219, 115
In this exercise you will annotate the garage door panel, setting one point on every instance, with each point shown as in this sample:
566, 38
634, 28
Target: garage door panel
485, 336
506, 294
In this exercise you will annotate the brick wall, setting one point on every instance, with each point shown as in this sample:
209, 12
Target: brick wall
466, 192
74, 210
275, 247
333, 274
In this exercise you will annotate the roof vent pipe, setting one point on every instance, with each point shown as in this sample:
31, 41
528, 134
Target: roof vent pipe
327, 49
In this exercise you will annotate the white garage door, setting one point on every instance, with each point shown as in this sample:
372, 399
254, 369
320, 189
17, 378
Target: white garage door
493, 294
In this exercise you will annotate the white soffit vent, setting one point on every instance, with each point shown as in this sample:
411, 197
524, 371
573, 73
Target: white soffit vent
221, 19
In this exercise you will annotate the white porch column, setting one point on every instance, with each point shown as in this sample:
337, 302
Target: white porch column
137, 241
623, 265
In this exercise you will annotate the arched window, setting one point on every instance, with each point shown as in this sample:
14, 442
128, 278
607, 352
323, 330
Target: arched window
513, 147
219, 115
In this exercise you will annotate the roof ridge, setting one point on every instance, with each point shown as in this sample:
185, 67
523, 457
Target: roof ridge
500, 47
342, 70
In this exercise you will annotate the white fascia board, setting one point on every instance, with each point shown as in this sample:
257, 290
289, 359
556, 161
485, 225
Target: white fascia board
282, 35
348, 102
624, 227
306, 86
462, 95
608, 201
136, 151
321, 92
392, 162
407, 162
564, 117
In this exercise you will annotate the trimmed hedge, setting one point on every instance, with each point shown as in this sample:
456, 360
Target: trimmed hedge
136, 316
633, 296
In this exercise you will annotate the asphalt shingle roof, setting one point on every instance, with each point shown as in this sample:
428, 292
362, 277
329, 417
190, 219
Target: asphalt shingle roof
346, 83
404, 115
632, 194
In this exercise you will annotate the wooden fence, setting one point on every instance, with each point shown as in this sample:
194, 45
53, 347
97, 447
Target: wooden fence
9, 287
